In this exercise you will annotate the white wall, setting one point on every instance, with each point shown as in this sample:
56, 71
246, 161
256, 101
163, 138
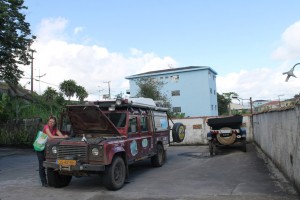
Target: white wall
277, 133
196, 130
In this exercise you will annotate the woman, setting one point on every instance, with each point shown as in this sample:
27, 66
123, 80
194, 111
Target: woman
52, 132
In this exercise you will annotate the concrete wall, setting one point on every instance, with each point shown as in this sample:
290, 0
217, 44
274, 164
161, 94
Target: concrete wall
277, 134
196, 130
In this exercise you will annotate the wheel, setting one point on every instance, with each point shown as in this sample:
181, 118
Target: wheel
114, 176
160, 157
226, 140
178, 132
211, 148
57, 180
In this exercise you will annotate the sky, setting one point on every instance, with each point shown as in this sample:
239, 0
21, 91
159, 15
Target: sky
97, 43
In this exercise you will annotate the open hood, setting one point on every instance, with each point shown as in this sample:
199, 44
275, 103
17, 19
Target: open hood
90, 119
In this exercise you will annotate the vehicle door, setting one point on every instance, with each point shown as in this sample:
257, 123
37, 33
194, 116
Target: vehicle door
146, 133
134, 139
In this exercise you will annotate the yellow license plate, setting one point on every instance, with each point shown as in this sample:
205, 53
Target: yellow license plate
66, 162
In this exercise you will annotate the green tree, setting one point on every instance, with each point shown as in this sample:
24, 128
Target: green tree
81, 93
60, 100
15, 40
224, 101
50, 94
150, 88
68, 88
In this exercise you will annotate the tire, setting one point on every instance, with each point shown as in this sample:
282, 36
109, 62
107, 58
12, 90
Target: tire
159, 159
226, 140
115, 173
178, 132
211, 148
57, 180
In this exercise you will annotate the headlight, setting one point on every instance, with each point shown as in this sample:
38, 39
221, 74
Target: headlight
95, 151
54, 150
119, 101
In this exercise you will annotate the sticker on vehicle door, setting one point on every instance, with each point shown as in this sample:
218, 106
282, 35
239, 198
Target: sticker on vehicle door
144, 143
133, 148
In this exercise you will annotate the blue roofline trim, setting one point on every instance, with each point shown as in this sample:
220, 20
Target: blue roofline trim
170, 71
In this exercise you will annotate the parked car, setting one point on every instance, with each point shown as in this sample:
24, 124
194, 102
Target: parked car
226, 131
106, 137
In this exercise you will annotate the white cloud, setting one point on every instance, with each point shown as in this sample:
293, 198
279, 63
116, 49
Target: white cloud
52, 28
90, 66
267, 83
290, 44
260, 83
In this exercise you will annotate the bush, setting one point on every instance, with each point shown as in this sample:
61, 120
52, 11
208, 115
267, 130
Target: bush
21, 138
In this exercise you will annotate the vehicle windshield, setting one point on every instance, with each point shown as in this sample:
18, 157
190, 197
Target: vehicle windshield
118, 119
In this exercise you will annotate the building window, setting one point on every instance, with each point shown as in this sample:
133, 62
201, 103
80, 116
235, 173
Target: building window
166, 77
215, 107
174, 78
175, 93
214, 92
210, 90
209, 74
177, 109
212, 107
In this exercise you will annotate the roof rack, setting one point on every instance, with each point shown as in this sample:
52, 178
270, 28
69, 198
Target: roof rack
145, 102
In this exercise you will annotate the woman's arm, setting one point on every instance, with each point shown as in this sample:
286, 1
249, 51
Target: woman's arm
54, 136
60, 134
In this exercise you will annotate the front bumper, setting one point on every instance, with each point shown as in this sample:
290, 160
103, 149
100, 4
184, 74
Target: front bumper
77, 167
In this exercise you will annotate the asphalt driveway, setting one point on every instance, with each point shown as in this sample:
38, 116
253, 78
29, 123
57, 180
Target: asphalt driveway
189, 173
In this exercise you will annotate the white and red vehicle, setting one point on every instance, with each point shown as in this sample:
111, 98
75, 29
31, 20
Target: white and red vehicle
106, 137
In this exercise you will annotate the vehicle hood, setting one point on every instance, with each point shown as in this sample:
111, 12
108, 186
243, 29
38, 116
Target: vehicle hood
90, 119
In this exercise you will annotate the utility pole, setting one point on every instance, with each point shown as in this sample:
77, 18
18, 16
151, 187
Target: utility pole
279, 100
40, 81
31, 71
108, 82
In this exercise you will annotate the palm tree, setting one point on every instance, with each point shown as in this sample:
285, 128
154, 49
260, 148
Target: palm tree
81, 93
68, 88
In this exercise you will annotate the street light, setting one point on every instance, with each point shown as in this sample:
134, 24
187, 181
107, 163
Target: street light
290, 73
250, 100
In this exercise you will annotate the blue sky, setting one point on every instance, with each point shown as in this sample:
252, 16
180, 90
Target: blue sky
248, 43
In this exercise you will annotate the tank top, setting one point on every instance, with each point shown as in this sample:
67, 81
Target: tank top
53, 131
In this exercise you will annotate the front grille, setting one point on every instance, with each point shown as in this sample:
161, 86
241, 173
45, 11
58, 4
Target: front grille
72, 152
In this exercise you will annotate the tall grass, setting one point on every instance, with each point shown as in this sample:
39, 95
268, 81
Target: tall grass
17, 137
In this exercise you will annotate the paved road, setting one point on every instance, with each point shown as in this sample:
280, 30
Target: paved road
188, 174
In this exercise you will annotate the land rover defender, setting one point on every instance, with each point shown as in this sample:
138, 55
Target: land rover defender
106, 137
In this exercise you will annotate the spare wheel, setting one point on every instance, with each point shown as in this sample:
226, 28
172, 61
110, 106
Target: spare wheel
178, 132
227, 140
